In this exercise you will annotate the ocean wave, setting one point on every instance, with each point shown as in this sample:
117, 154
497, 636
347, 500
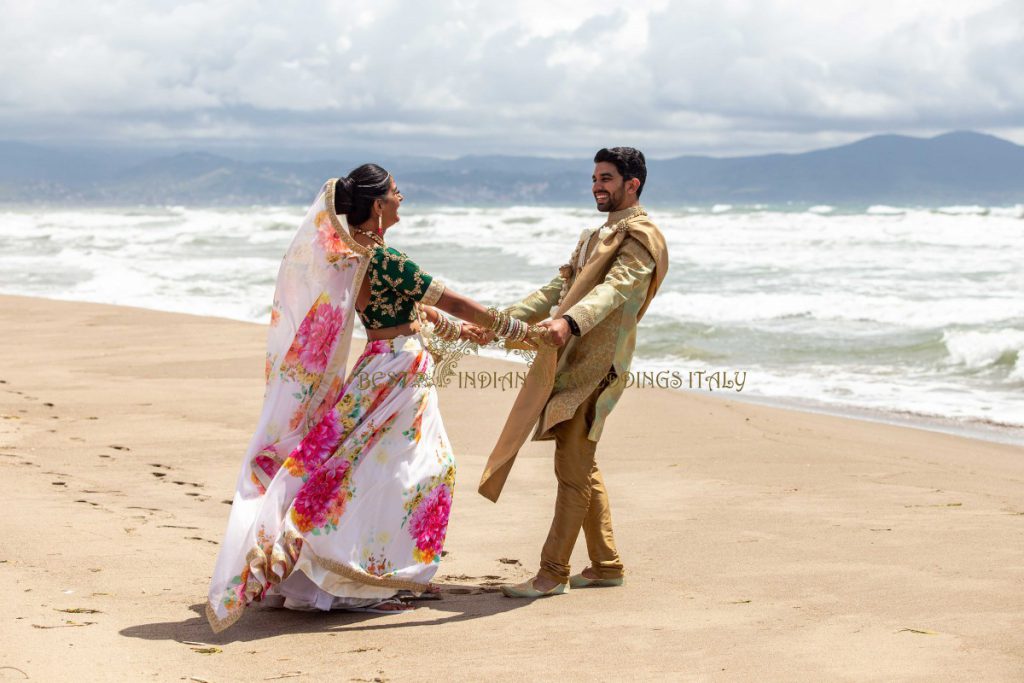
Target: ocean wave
1008, 211
492, 292
884, 210
892, 310
909, 309
972, 210
977, 350
887, 389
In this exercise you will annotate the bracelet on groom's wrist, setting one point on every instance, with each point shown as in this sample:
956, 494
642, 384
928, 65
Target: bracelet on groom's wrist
573, 326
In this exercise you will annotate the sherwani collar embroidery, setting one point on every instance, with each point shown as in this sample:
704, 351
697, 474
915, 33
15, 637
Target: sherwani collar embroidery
603, 232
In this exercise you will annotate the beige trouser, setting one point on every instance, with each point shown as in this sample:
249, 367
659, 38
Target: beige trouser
582, 502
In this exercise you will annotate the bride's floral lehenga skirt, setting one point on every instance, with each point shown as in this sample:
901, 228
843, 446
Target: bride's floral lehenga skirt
359, 509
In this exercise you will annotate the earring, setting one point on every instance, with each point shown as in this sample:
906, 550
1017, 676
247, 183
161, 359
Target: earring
380, 224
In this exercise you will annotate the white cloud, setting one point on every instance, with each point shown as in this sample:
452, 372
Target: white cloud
542, 76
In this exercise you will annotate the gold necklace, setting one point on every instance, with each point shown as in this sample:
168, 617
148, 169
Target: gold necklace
373, 236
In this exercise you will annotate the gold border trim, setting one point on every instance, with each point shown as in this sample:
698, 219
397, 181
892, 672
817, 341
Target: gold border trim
218, 624
364, 265
336, 223
434, 291
584, 317
360, 576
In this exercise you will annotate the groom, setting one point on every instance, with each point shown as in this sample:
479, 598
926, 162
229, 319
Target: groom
594, 305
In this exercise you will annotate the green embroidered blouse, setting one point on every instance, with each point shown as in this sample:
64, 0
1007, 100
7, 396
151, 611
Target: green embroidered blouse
396, 285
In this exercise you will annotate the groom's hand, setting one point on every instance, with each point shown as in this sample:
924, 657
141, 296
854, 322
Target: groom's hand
477, 334
558, 331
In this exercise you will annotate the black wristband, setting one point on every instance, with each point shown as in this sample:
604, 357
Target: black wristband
573, 327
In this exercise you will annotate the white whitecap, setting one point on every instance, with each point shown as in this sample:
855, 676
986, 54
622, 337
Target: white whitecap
972, 210
883, 210
976, 349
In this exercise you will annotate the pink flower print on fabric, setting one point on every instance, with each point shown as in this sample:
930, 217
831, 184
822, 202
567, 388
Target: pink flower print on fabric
329, 240
316, 446
321, 500
263, 468
429, 524
268, 465
317, 336
377, 347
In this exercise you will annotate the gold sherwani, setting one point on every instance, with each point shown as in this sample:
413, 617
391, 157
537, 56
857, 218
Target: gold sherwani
613, 278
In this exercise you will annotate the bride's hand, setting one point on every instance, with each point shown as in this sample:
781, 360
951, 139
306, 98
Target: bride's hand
476, 334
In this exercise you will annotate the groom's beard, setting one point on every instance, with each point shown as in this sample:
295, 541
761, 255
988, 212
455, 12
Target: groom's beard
614, 202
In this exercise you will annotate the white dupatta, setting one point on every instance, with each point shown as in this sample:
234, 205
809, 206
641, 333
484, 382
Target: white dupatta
307, 350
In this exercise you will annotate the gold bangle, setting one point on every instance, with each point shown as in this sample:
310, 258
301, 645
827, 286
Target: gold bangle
498, 319
450, 331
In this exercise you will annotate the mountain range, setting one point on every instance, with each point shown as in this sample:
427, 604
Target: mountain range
954, 168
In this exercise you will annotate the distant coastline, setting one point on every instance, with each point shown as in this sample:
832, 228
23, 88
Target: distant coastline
959, 168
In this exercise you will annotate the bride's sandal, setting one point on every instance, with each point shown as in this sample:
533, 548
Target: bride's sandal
388, 606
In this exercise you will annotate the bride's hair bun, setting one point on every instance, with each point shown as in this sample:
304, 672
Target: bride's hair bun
354, 194
344, 191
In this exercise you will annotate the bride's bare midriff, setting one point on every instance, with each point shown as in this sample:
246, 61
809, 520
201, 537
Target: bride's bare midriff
392, 332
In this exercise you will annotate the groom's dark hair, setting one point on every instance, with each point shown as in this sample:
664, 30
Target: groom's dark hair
629, 161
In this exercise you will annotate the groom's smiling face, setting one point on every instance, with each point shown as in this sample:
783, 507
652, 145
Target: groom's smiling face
609, 187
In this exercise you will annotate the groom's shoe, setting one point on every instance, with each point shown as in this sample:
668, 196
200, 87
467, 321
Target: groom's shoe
580, 581
526, 590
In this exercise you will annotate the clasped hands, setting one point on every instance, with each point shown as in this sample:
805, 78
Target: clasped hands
553, 332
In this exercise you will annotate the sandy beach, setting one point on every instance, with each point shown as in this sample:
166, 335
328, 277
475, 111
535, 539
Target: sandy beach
760, 543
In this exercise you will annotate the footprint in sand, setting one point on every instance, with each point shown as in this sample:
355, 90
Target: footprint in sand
119, 448
144, 518
147, 512
198, 538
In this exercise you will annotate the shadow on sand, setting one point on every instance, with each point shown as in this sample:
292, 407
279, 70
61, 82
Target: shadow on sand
459, 603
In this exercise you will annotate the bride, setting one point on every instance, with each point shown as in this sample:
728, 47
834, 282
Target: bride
345, 489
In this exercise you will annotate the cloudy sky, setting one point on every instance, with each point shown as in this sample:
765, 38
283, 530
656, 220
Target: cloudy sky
539, 77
